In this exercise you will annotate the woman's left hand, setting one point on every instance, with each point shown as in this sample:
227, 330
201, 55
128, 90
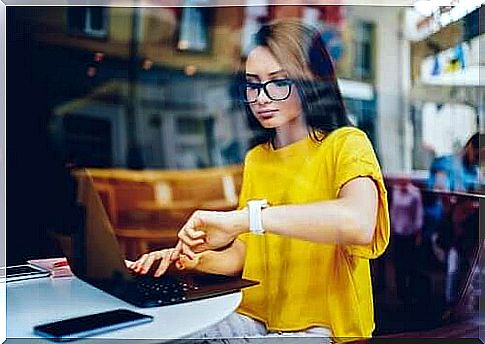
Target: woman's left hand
211, 230
164, 258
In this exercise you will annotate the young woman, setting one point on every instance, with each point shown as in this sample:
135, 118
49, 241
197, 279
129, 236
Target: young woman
327, 213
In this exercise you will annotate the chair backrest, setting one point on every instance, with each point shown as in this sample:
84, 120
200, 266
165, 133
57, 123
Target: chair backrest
123, 191
129, 194
203, 188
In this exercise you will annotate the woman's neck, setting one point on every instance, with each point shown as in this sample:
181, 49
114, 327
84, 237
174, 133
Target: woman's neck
290, 133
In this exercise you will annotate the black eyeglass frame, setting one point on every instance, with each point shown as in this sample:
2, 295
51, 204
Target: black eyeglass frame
264, 86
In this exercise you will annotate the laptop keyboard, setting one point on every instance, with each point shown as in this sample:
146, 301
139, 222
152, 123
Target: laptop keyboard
165, 290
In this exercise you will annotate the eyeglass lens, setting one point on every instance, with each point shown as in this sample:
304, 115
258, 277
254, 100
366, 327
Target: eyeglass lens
275, 90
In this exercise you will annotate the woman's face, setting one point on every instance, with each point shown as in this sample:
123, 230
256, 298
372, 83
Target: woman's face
262, 66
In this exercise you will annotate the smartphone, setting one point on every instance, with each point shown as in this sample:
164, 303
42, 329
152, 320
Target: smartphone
25, 271
89, 325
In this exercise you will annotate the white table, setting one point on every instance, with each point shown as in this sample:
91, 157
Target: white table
43, 300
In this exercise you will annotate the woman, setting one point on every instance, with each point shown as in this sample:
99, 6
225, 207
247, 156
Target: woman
327, 213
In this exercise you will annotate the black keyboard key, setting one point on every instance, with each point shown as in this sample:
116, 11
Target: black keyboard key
165, 290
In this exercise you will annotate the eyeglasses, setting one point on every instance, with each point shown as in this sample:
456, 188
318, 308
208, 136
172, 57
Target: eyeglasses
276, 90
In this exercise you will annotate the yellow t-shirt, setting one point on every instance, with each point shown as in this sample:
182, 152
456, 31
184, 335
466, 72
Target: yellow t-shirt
305, 284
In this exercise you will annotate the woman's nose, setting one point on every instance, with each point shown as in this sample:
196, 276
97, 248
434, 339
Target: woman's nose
263, 97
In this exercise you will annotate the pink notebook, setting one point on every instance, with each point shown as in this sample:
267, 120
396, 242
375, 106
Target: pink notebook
58, 267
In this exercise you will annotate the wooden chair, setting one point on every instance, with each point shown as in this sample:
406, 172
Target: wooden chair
147, 208
134, 232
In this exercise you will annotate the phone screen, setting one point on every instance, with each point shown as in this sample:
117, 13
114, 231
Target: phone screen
91, 324
21, 270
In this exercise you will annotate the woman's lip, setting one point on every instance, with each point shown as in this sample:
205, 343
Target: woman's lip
265, 116
267, 113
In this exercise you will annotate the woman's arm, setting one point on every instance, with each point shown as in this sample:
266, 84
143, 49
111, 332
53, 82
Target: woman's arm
229, 262
349, 219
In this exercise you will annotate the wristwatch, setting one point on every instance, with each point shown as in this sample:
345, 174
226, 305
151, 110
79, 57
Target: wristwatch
254, 211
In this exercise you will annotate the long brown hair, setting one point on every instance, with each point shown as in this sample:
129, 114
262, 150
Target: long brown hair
302, 53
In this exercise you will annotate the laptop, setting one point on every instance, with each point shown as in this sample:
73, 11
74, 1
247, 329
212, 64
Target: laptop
95, 257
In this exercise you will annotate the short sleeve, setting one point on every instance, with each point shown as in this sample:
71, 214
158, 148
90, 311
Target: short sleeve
356, 158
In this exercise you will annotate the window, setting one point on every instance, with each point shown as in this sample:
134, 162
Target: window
362, 46
330, 20
253, 18
87, 140
440, 129
362, 113
194, 27
88, 21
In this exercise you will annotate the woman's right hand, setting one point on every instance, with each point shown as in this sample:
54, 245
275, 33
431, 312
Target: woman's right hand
210, 230
165, 258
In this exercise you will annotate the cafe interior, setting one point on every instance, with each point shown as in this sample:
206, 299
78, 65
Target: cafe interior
144, 99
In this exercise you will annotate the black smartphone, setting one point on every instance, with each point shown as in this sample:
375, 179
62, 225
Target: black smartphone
25, 271
89, 325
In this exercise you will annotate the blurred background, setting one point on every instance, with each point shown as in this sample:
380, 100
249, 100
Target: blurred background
151, 87
145, 98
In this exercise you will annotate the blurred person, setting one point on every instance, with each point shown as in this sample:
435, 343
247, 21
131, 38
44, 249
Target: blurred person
457, 227
327, 214
406, 211
457, 172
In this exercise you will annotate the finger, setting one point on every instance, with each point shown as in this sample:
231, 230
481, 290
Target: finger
129, 263
187, 263
139, 263
175, 253
134, 265
201, 248
202, 245
193, 233
186, 250
142, 261
163, 266
148, 263
193, 227
179, 264
188, 240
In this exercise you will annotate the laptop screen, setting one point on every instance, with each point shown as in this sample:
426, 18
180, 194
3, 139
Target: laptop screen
95, 254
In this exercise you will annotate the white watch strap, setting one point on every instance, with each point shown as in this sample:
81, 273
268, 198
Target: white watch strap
254, 211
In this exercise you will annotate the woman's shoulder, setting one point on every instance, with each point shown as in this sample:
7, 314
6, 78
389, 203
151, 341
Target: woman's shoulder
343, 133
344, 137
256, 152
351, 143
